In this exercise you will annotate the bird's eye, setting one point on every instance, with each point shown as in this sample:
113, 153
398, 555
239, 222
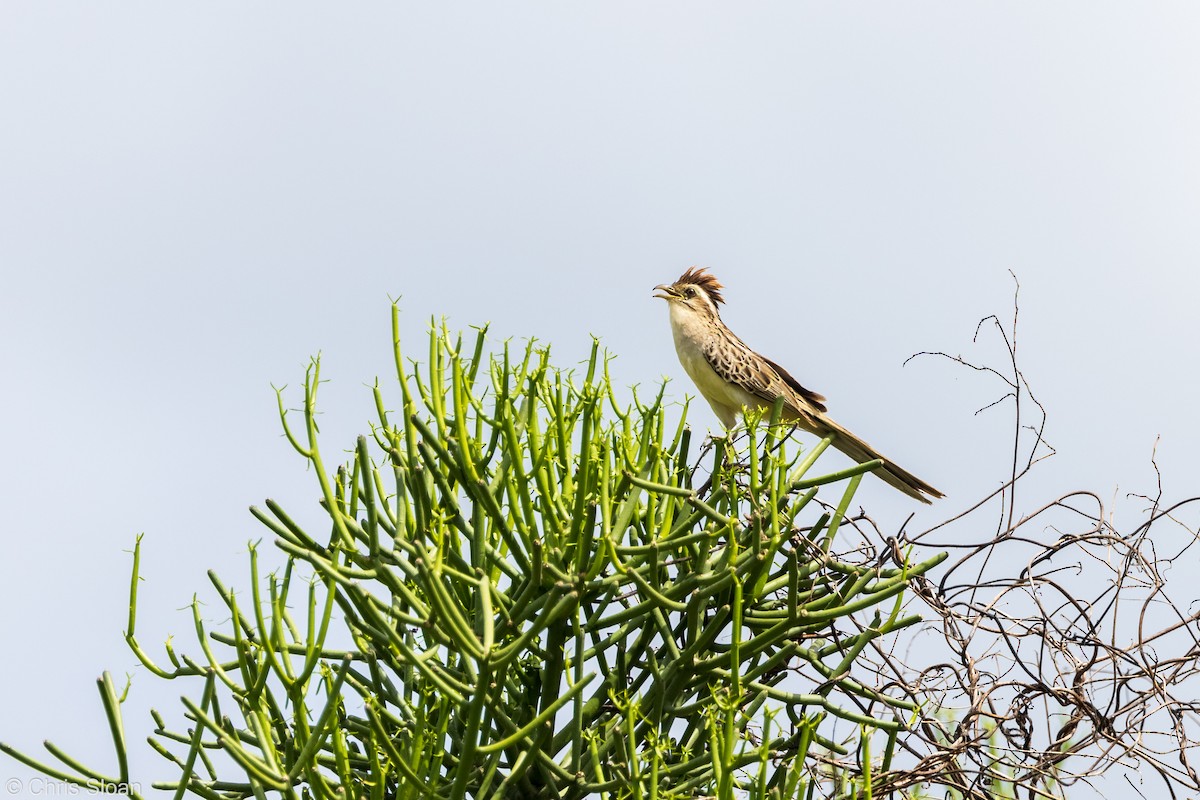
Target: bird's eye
689, 292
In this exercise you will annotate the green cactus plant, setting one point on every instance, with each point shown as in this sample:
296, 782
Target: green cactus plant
536, 592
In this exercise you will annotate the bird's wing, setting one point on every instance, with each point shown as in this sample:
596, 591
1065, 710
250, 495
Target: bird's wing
816, 400
736, 363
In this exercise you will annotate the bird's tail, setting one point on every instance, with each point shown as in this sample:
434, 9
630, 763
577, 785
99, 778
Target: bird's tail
889, 473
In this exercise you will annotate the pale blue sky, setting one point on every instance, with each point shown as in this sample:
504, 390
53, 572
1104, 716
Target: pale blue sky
196, 198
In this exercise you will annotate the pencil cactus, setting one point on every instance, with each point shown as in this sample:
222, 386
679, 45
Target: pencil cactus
530, 590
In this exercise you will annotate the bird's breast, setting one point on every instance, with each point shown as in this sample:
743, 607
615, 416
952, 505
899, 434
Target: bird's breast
693, 338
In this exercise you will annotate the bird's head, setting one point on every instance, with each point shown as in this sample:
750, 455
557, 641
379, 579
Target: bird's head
696, 291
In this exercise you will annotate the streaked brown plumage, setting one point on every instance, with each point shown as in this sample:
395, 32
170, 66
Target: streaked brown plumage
731, 376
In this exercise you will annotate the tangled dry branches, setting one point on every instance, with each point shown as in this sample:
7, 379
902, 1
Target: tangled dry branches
1060, 648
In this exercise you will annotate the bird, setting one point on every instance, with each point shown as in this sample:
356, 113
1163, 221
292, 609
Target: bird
732, 377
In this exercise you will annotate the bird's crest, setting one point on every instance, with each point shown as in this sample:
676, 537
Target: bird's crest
700, 277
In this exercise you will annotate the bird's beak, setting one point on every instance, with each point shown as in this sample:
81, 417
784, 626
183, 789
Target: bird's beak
665, 292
